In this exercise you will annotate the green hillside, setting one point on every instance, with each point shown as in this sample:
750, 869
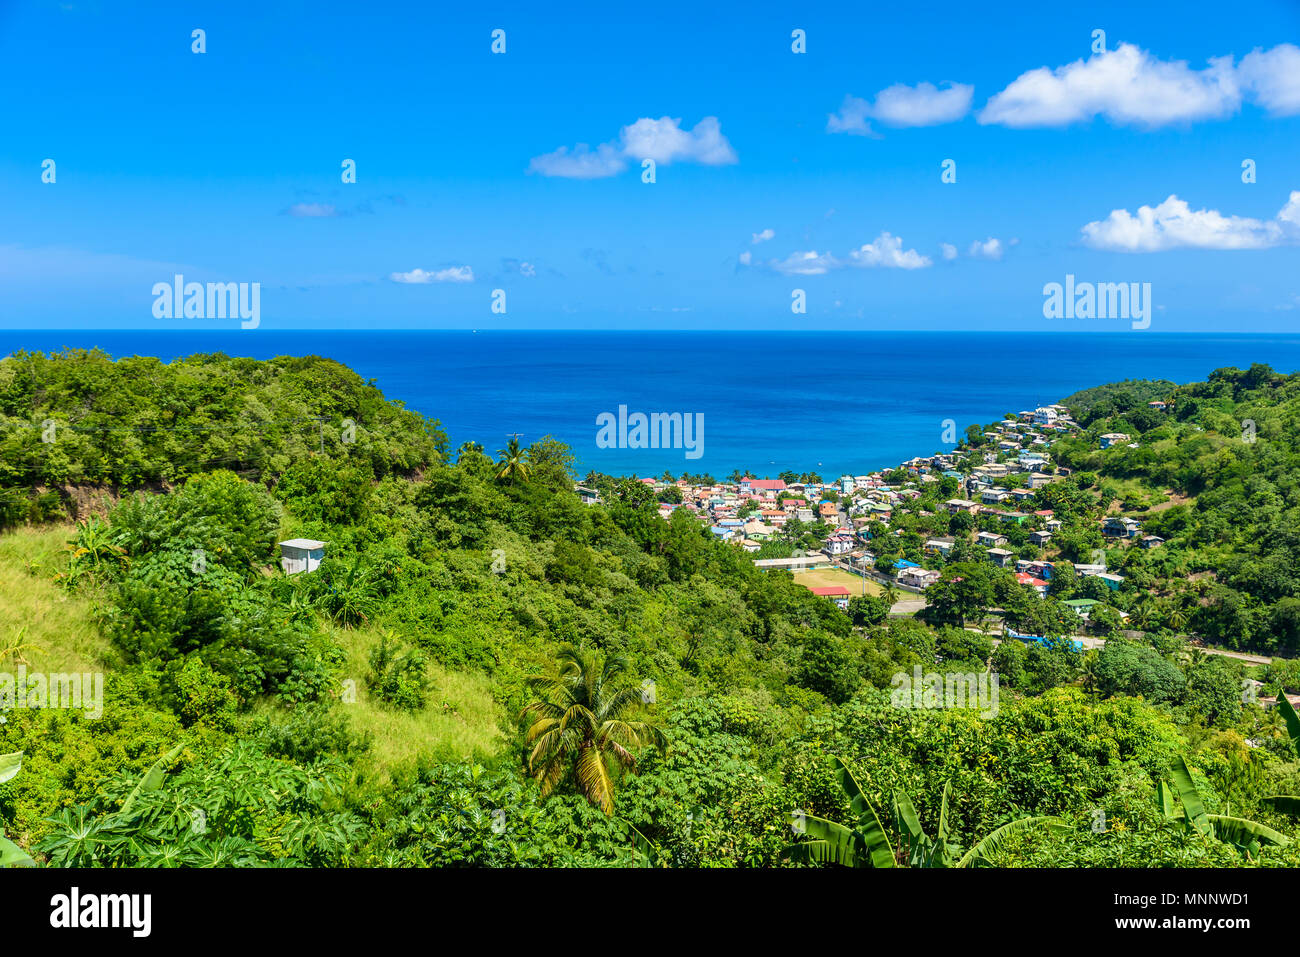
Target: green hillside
485, 671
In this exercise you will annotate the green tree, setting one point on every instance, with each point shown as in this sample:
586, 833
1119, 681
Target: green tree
580, 723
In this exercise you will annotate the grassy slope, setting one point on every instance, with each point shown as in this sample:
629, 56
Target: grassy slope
61, 636
461, 718
59, 627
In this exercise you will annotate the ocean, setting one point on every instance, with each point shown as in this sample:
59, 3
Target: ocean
825, 402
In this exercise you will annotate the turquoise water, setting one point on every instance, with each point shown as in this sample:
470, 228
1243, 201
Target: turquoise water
827, 402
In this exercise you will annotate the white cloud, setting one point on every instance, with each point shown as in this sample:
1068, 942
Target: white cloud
746, 258
580, 163
762, 237
887, 251
311, 210
662, 140
1272, 78
852, 118
949, 250
1126, 85
806, 264
902, 105
990, 248
1173, 224
922, 105
421, 277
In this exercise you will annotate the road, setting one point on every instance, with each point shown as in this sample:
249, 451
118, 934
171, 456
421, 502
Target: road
910, 606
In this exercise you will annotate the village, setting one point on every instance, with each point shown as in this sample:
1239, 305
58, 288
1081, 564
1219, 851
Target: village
994, 479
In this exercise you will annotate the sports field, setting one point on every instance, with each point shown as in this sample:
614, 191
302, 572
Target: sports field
822, 577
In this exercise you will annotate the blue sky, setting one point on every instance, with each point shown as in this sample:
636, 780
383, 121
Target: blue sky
225, 166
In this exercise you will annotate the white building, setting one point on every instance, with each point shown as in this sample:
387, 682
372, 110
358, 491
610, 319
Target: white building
301, 555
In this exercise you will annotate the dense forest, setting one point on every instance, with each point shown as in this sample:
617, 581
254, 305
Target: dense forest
484, 671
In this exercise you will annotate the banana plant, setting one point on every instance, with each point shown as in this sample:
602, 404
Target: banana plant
11, 855
647, 853
1245, 835
1287, 803
863, 845
867, 845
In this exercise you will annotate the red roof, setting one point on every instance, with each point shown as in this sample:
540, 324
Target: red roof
774, 484
1026, 579
830, 590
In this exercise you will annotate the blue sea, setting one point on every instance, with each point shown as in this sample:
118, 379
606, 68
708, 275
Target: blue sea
829, 402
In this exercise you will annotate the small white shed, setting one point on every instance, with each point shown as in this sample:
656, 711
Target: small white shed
301, 555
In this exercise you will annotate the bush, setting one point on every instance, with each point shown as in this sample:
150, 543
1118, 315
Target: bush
398, 677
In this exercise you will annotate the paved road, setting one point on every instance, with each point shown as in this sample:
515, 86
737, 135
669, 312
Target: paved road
910, 606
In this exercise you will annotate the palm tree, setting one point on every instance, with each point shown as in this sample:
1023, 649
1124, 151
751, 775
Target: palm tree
513, 466
867, 845
579, 721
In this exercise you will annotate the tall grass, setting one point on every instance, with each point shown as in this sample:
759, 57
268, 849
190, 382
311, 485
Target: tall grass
461, 719
56, 627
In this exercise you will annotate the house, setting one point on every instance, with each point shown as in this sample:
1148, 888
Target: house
1017, 517
301, 555
1151, 541
1113, 438
991, 539
1040, 538
994, 496
838, 544
1046, 415
916, 577
1037, 584
827, 510
1116, 526
750, 545
1082, 606
762, 485
1054, 525
589, 496
1112, 581
804, 514
939, 546
1001, 557
955, 505
1041, 570
1039, 479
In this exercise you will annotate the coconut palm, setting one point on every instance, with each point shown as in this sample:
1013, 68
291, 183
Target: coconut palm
866, 844
513, 466
579, 722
